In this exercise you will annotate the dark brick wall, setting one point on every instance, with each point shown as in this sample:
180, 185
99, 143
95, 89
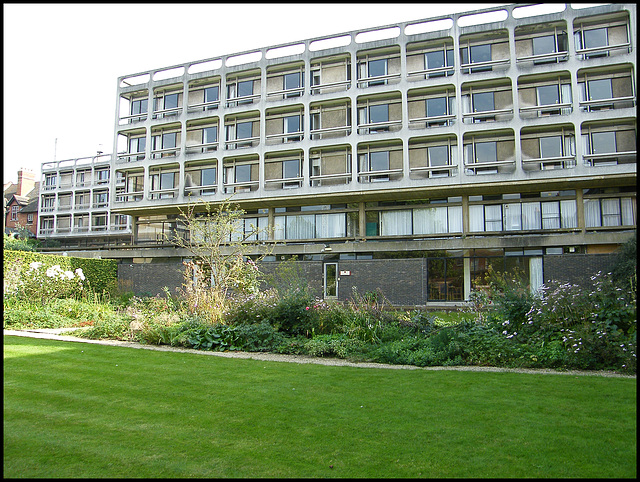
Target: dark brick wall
149, 278
401, 281
576, 268
308, 272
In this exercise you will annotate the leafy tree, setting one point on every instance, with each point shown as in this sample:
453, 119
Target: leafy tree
219, 241
624, 270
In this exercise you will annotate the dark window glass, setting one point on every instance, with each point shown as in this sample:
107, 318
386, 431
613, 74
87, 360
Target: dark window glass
210, 134
292, 81
169, 140
486, 151
481, 53
208, 176
600, 89
139, 106
244, 130
243, 173
211, 94
378, 113
438, 155
436, 107
603, 142
548, 95
245, 87
550, 147
595, 38
292, 124
166, 180
434, 60
544, 45
290, 169
483, 102
379, 161
377, 67
171, 101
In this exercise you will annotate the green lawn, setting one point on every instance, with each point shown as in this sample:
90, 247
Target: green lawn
84, 410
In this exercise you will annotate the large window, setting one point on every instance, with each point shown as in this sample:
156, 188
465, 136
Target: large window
137, 145
139, 106
377, 68
516, 216
549, 44
292, 81
436, 107
291, 125
375, 161
486, 151
609, 212
476, 54
437, 60
445, 279
211, 94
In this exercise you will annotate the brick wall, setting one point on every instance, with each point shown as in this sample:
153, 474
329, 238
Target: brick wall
401, 281
150, 278
576, 268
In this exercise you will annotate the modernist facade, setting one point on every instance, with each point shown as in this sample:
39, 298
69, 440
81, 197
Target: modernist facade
407, 158
75, 204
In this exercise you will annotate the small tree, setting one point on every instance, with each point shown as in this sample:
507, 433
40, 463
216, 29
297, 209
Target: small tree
219, 241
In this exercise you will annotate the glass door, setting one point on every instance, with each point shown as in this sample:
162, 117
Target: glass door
330, 280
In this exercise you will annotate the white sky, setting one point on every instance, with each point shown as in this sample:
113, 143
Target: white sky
62, 61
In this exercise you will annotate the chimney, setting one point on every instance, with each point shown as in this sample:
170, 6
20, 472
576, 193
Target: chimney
26, 182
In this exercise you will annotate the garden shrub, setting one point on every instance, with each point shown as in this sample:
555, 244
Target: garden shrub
339, 345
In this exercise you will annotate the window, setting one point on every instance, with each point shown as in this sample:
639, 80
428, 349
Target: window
244, 130
292, 81
291, 124
436, 107
210, 135
137, 145
29, 218
486, 151
546, 44
603, 142
436, 60
548, 94
14, 212
208, 176
438, 156
595, 38
377, 68
395, 223
50, 181
171, 102
483, 102
139, 106
290, 169
100, 199
373, 162
476, 54
599, 89
609, 212
211, 94
551, 147
243, 173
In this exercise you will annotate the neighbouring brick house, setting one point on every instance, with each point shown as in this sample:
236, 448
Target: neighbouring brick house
21, 203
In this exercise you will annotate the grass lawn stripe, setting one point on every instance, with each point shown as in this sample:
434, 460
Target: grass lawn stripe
83, 410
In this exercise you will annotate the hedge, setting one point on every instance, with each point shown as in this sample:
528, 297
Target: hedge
99, 273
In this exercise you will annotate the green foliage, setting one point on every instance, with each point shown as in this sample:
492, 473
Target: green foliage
624, 271
98, 273
19, 244
339, 345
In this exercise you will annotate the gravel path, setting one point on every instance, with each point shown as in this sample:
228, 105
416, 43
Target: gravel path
58, 334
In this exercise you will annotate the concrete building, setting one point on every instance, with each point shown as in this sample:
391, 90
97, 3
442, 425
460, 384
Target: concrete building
75, 201
407, 158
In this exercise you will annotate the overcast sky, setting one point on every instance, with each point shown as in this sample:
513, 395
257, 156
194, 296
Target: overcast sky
62, 61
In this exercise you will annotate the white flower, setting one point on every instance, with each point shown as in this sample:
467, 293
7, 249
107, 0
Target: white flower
80, 274
35, 264
69, 274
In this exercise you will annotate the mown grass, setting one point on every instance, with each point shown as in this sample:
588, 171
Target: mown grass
84, 410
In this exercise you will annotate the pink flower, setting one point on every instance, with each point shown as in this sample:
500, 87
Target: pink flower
307, 308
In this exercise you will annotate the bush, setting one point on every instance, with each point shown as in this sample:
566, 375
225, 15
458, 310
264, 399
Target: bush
340, 346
